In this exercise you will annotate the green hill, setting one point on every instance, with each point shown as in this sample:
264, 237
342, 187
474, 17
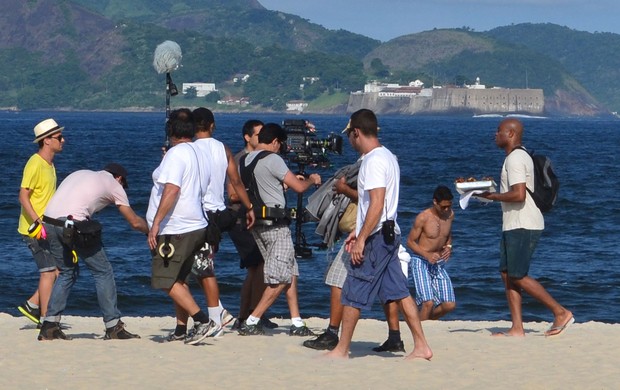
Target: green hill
245, 20
591, 58
457, 57
88, 54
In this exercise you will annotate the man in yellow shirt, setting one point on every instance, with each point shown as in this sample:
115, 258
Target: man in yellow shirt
37, 187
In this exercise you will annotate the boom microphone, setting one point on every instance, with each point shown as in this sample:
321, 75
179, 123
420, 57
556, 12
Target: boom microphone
167, 57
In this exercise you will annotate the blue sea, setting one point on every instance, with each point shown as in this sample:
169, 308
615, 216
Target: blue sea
577, 259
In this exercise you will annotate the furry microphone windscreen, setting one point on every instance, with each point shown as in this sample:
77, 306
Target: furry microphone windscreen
167, 57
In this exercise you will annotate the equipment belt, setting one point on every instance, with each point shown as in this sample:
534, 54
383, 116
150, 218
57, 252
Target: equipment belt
53, 221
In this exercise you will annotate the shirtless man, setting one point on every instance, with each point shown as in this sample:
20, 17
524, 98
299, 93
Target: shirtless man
430, 240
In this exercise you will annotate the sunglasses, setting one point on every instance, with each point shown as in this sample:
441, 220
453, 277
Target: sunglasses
59, 138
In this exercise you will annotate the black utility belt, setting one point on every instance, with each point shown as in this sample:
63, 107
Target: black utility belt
272, 222
53, 221
273, 213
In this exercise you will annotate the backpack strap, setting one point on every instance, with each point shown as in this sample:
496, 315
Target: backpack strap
249, 179
531, 154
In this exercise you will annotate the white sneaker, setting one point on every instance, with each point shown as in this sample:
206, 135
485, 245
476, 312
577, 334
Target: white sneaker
226, 318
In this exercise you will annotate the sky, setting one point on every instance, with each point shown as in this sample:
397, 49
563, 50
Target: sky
388, 19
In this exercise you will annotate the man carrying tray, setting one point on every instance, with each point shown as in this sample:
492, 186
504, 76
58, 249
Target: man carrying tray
522, 226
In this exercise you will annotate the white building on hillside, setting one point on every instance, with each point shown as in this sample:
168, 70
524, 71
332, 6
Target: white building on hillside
202, 89
296, 105
477, 85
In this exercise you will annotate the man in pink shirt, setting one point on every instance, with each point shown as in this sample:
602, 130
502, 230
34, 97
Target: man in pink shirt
72, 234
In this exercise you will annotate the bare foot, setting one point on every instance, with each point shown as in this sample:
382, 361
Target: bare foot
420, 353
336, 354
509, 333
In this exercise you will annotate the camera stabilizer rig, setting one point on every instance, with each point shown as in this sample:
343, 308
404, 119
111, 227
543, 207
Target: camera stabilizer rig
304, 148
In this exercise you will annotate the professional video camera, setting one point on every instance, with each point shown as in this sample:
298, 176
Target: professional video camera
303, 146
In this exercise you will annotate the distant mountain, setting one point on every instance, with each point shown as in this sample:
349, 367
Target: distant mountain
246, 20
97, 54
591, 58
460, 56
58, 54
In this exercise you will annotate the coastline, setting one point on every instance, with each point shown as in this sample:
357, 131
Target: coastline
465, 356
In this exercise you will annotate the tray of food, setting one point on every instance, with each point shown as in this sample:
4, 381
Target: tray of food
471, 184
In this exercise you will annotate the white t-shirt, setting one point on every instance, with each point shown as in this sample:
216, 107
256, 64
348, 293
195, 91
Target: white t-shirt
179, 167
518, 168
85, 192
215, 153
379, 169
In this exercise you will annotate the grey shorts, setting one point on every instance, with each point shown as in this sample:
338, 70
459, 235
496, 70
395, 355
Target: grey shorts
165, 271
337, 269
276, 246
40, 250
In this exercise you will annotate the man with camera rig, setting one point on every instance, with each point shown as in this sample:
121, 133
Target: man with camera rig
264, 173
374, 244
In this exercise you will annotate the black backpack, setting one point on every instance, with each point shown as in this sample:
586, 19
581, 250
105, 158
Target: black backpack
546, 183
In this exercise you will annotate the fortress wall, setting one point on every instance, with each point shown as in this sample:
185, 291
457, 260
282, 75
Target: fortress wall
447, 100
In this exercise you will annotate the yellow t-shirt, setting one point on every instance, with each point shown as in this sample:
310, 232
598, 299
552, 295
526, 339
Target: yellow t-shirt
40, 177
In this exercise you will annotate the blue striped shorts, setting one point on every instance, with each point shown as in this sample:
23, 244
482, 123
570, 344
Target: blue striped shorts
431, 282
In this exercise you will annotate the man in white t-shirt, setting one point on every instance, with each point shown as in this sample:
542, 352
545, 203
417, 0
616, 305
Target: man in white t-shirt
177, 222
522, 225
82, 194
217, 159
373, 245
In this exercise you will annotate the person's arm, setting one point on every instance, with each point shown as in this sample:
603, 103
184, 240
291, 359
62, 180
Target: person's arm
299, 185
136, 222
24, 200
168, 199
232, 194
234, 182
515, 194
373, 216
341, 187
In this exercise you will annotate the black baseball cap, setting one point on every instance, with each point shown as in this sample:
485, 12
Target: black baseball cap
118, 170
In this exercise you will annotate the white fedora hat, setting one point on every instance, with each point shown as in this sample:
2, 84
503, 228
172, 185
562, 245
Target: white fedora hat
45, 129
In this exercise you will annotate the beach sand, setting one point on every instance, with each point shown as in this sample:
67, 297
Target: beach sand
465, 357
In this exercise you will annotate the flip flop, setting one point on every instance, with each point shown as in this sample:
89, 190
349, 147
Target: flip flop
558, 330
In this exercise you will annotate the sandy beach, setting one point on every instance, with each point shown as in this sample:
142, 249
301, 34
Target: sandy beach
465, 357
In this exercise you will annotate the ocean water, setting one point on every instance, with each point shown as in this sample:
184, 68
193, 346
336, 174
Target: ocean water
576, 260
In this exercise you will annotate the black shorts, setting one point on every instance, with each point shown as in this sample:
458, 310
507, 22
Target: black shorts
249, 254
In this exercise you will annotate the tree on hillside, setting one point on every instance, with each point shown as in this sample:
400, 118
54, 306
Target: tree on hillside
213, 97
378, 69
190, 93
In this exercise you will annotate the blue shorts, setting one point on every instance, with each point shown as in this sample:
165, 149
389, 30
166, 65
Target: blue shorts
516, 249
379, 274
432, 282
41, 252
